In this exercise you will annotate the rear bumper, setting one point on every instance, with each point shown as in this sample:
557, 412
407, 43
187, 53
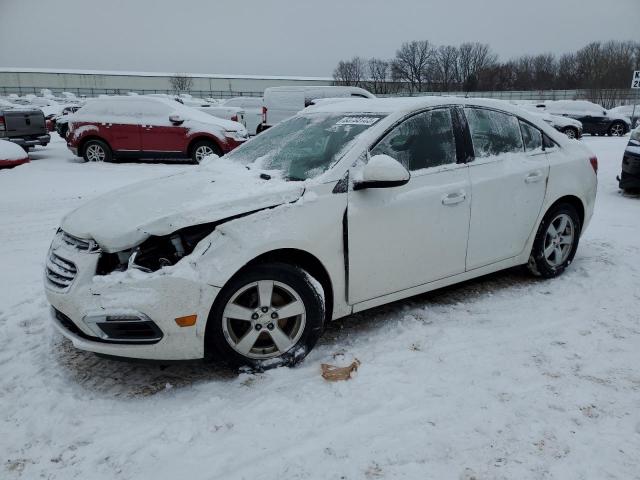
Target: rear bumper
42, 140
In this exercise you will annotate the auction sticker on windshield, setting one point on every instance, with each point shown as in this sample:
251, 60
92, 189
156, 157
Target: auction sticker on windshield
368, 121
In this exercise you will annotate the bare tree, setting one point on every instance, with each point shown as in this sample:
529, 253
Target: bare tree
473, 59
446, 64
412, 64
181, 83
350, 72
378, 70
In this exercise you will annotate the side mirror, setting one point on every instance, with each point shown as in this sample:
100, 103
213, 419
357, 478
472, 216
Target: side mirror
176, 119
382, 171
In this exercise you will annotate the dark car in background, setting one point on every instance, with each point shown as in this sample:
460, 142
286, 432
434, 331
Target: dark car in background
24, 127
629, 179
595, 119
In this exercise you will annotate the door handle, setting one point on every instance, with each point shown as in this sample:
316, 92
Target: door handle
533, 177
454, 198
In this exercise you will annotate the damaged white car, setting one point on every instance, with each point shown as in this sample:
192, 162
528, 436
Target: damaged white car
342, 208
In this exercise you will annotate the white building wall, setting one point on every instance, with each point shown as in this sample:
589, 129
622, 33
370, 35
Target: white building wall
24, 81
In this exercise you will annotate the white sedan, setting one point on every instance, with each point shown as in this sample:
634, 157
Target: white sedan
344, 207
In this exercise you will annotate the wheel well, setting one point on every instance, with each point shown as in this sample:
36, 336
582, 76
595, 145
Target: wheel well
304, 260
84, 141
200, 139
575, 202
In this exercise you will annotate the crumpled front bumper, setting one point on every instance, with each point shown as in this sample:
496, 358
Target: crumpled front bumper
160, 297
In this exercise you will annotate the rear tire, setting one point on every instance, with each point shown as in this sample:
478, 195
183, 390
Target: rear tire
204, 148
97, 151
556, 241
282, 309
617, 129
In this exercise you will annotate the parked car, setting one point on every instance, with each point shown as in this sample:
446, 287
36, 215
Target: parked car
629, 112
23, 126
629, 179
11, 155
149, 127
570, 127
61, 122
252, 108
595, 119
342, 208
281, 103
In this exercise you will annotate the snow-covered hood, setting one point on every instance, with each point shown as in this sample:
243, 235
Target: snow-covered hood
559, 121
124, 218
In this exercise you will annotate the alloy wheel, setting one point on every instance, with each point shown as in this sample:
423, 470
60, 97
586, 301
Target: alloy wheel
617, 130
263, 319
203, 151
570, 133
95, 153
558, 240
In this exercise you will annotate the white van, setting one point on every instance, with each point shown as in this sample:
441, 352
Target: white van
281, 103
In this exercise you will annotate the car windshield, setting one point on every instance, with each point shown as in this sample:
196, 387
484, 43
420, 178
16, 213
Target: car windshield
304, 146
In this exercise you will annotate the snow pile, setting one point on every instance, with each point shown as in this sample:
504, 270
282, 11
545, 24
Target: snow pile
9, 151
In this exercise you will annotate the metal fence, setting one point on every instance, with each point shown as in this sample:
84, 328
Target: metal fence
607, 97
613, 97
94, 92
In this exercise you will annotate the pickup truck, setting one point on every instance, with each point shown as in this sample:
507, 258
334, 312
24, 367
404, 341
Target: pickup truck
24, 127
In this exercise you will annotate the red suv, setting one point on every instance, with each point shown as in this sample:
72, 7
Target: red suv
149, 127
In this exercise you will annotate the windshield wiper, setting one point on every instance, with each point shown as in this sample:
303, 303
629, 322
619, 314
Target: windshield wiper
294, 179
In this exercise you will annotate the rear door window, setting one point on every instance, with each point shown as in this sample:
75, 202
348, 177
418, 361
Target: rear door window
531, 136
493, 132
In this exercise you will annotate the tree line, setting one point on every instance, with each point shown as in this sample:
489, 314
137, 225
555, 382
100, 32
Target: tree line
421, 66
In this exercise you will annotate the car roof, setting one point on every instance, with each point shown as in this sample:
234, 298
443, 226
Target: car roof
408, 104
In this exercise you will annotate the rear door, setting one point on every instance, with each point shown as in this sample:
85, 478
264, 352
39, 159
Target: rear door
119, 123
508, 185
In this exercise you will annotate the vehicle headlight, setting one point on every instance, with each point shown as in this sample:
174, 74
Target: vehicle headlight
237, 135
635, 135
155, 252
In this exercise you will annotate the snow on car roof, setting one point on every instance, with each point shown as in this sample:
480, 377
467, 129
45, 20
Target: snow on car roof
408, 104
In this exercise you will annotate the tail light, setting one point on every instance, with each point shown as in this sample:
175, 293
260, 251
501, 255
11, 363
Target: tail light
234, 118
264, 114
594, 164
2, 125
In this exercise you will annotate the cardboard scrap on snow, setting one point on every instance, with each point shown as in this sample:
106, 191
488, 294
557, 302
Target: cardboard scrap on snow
332, 373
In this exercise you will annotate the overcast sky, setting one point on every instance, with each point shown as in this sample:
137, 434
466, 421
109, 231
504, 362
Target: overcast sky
289, 37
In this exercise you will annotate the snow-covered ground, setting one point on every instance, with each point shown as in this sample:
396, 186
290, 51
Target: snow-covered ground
505, 377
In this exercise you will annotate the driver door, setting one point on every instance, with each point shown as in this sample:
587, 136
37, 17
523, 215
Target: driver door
402, 237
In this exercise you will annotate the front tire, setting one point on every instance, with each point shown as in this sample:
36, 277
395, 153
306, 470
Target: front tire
556, 241
571, 132
97, 151
203, 149
269, 315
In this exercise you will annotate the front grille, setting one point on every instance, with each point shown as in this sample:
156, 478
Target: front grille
60, 273
79, 243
